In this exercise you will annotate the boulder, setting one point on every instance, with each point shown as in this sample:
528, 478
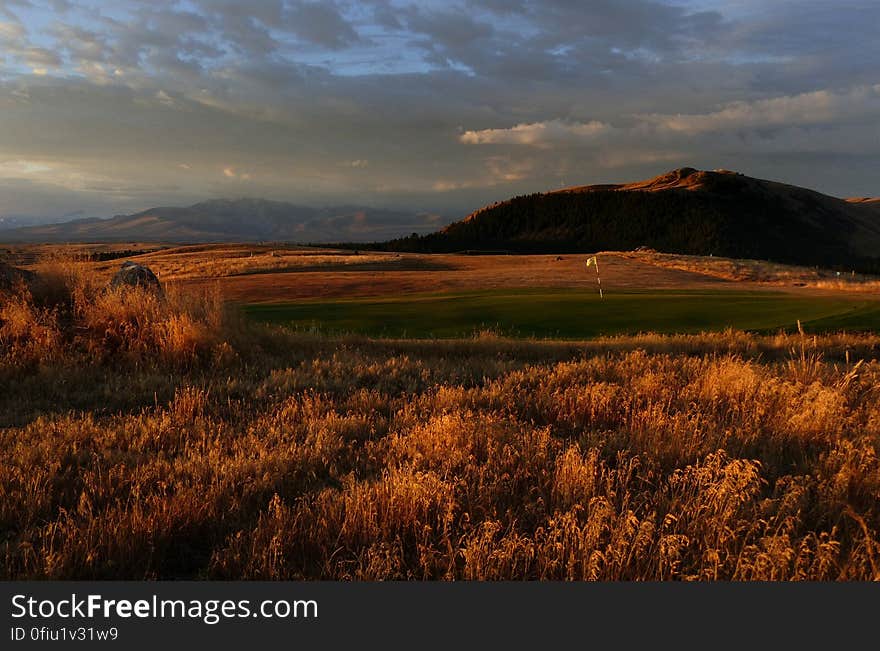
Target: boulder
11, 277
132, 274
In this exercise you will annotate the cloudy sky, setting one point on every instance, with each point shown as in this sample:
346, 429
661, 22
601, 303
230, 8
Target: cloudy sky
442, 106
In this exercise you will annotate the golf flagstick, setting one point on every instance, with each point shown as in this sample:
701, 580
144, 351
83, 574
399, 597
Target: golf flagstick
595, 261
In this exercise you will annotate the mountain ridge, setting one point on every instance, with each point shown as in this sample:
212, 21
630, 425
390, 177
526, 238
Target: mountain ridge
686, 210
227, 220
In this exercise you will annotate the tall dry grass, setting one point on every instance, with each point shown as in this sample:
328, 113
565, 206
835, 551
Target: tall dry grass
71, 316
145, 438
760, 271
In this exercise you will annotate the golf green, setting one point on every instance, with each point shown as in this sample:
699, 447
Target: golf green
571, 314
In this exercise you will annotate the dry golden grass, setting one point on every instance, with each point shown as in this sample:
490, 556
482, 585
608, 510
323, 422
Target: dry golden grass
70, 317
151, 439
220, 261
345, 275
161, 438
260, 273
757, 271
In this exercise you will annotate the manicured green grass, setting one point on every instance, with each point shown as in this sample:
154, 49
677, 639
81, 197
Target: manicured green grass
571, 314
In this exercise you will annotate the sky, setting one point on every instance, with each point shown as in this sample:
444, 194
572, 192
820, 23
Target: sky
437, 106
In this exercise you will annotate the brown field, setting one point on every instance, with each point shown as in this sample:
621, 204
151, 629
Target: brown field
268, 274
763, 273
168, 439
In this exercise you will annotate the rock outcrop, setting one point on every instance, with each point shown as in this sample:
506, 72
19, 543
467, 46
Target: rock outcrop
132, 274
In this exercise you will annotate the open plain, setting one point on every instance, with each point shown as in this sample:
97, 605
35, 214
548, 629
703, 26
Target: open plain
201, 435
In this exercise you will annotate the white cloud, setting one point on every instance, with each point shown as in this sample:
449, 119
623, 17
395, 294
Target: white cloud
499, 171
22, 168
576, 88
164, 98
822, 107
11, 32
819, 107
449, 186
538, 134
232, 173
506, 170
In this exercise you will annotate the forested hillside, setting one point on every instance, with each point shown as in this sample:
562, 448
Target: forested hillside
685, 211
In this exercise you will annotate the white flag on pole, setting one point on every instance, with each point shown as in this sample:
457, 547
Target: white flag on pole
595, 261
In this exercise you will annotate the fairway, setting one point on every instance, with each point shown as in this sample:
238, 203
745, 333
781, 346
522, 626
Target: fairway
570, 313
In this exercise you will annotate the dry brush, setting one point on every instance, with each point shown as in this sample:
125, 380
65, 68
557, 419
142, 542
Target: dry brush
160, 439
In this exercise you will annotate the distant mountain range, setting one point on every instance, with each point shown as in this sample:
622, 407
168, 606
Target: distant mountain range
683, 211
234, 220
8, 222
686, 210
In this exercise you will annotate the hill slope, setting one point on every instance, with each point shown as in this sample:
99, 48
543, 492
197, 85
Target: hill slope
233, 220
684, 211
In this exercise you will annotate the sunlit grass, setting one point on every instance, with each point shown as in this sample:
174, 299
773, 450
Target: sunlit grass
148, 438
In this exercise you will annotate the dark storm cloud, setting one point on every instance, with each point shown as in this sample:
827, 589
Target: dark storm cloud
321, 24
432, 105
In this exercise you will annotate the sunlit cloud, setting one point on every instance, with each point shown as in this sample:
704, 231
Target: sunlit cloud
448, 186
818, 107
11, 32
537, 134
434, 106
232, 173
26, 168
